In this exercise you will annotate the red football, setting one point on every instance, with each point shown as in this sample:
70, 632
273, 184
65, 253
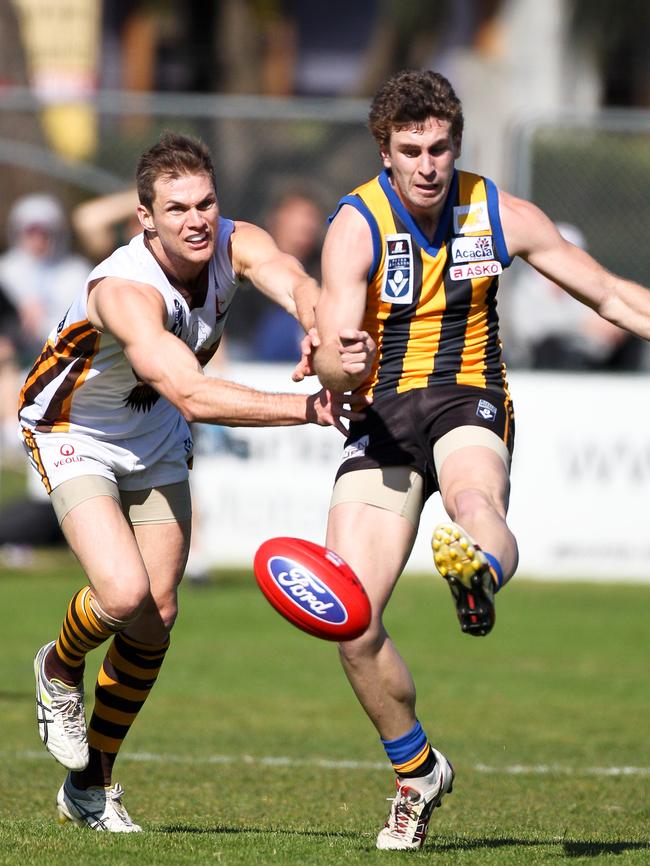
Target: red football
313, 588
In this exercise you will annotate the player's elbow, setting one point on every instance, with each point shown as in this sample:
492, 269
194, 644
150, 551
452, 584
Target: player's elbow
188, 394
187, 403
189, 408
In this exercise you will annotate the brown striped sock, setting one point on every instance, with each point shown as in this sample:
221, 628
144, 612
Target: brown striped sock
82, 631
124, 681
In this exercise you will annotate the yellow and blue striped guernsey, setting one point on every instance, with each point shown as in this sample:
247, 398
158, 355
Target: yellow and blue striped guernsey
431, 305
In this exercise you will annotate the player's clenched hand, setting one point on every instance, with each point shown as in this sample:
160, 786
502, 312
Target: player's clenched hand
357, 350
305, 366
328, 408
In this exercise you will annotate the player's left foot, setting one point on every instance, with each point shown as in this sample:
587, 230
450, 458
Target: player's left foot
466, 569
97, 808
60, 716
408, 821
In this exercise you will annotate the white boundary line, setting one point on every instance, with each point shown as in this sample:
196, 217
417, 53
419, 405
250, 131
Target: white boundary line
279, 761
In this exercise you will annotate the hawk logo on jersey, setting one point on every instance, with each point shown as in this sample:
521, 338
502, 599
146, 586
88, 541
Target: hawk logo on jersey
142, 398
471, 218
397, 287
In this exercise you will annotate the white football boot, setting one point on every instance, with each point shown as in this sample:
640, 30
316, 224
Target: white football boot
97, 808
60, 716
415, 800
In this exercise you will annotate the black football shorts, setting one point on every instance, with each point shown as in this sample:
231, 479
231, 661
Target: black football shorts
402, 429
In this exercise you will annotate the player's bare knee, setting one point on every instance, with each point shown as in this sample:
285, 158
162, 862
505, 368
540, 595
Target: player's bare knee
118, 608
157, 619
167, 615
472, 502
367, 645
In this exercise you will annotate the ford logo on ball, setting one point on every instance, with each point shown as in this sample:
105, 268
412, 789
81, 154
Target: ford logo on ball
306, 591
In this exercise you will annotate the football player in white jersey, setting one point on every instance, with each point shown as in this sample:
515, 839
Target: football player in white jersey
104, 413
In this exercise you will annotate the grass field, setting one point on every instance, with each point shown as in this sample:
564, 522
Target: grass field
252, 750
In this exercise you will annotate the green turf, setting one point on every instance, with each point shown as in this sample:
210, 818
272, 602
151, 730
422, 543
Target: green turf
560, 689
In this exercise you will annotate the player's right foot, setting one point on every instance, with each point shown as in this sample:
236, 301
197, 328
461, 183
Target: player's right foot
466, 569
408, 821
97, 808
60, 716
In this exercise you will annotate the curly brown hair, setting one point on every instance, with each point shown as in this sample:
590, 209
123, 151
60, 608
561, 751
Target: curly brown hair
408, 99
172, 156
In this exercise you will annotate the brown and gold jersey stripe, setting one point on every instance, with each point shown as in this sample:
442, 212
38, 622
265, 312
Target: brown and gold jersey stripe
73, 352
31, 443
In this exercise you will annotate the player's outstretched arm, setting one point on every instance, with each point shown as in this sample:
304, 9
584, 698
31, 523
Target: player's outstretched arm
279, 276
530, 234
346, 353
134, 313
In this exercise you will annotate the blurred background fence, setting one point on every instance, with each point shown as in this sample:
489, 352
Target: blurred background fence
592, 170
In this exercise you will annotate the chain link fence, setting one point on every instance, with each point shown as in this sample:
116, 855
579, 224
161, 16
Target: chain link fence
259, 145
594, 172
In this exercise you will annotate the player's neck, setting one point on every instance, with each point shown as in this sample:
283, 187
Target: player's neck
190, 280
427, 219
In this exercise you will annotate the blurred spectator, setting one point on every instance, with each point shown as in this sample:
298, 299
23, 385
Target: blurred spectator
38, 272
9, 377
106, 222
553, 331
40, 275
296, 224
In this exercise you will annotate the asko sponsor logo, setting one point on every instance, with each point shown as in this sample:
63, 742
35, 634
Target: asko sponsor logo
476, 269
306, 591
67, 455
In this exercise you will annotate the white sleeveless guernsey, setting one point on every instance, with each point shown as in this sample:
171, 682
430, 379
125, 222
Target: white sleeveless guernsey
82, 381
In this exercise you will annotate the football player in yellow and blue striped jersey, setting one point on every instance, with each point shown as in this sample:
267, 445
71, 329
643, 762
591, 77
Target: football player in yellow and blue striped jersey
411, 265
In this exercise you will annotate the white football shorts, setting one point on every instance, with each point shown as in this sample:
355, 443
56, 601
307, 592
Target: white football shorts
138, 463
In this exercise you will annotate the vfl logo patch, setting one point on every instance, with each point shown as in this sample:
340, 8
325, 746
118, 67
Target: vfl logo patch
486, 410
306, 591
471, 272
471, 249
398, 274
471, 218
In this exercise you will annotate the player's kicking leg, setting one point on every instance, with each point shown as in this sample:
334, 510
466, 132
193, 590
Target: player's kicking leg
474, 484
470, 577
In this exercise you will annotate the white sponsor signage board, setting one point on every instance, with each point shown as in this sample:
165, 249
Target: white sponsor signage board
580, 479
